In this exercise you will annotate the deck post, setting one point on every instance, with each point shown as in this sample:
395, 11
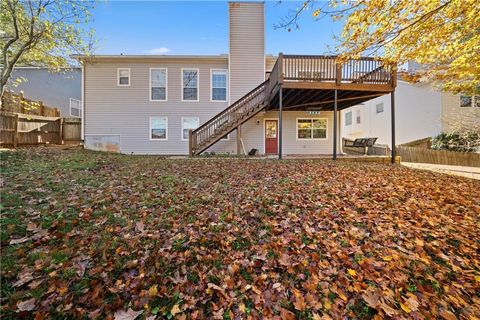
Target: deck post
239, 140
392, 102
190, 143
280, 110
335, 123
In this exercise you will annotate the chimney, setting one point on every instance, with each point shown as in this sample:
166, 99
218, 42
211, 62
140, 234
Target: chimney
246, 47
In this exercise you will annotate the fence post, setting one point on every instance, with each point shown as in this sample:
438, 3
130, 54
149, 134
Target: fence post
15, 133
60, 133
41, 109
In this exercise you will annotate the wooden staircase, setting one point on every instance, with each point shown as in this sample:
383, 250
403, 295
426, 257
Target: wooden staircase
229, 119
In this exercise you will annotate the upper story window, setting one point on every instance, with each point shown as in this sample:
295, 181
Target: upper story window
311, 129
358, 116
123, 76
158, 84
189, 123
190, 84
348, 118
75, 108
469, 101
158, 128
379, 108
219, 85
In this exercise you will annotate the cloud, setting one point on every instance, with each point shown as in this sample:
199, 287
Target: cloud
161, 50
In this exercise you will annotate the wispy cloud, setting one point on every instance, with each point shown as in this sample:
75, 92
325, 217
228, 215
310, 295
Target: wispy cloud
161, 50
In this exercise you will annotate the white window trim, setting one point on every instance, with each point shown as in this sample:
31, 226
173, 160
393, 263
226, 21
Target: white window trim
150, 85
351, 118
150, 128
129, 77
211, 85
311, 139
198, 118
81, 107
198, 84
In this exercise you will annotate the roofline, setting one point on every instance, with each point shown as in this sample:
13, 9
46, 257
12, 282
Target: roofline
150, 56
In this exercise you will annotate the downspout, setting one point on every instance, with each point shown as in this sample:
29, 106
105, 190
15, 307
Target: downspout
83, 102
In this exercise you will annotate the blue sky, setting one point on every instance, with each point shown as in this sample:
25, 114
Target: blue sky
198, 27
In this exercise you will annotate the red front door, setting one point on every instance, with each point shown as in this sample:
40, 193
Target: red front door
271, 136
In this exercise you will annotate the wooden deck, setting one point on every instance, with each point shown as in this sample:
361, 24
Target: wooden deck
309, 82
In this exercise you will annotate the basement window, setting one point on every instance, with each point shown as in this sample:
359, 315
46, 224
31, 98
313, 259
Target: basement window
312, 129
158, 128
189, 123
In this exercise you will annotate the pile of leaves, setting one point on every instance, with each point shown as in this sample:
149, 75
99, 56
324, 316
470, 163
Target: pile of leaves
102, 236
462, 141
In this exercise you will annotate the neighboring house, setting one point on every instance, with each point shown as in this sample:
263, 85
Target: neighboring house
61, 89
420, 112
232, 103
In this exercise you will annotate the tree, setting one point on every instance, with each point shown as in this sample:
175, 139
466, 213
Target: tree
41, 32
442, 35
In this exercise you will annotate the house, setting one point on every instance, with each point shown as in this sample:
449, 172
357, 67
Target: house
236, 102
421, 112
59, 89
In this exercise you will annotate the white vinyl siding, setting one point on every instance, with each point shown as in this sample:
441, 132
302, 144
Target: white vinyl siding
187, 124
123, 76
158, 128
190, 81
311, 128
75, 108
219, 85
158, 84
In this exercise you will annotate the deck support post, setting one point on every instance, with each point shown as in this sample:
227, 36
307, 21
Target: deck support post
335, 123
190, 143
280, 110
239, 140
392, 102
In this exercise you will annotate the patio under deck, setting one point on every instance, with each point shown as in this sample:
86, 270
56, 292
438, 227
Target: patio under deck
304, 83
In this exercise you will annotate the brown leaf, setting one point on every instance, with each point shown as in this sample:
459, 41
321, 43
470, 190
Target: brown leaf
448, 315
24, 277
127, 315
286, 314
27, 305
299, 303
284, 260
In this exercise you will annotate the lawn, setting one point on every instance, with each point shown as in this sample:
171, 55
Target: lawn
94, 236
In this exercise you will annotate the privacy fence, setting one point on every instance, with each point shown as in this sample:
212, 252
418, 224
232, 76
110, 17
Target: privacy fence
27, 122
420, 155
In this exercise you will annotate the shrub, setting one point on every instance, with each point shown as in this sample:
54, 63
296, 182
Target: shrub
465, 141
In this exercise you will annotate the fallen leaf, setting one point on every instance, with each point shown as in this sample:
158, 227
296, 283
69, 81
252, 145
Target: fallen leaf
127, 315
299, 303
284, 260
448, 315
352, 272
286, 314
152, 292
27, 305
21, 240
175, 310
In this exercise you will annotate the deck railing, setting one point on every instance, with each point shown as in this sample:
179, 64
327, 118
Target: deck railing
311, 68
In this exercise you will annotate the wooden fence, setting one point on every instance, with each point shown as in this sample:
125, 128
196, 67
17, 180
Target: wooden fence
25, 129
411, 154
18, 104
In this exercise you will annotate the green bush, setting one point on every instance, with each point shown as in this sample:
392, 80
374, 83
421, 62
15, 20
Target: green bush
466, 141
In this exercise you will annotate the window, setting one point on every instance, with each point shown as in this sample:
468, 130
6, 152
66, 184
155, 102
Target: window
358, 117
158, 128
348, 118
158, 84
309, 129
379, 108
465, 101
75, 108
123, 76
219, 85
190, 84
187, 124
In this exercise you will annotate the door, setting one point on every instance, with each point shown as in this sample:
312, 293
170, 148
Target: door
271, 136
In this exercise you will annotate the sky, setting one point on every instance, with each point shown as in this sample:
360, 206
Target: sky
198, 27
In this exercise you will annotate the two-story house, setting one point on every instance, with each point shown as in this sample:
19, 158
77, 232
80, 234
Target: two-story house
236, 102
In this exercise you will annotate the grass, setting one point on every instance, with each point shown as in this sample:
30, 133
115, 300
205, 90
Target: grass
232, 238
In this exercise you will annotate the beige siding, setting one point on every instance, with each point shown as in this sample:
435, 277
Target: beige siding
246, 47
456, 118
125, 111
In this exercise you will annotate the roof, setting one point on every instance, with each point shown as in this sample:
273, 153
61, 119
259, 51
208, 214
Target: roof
149, 56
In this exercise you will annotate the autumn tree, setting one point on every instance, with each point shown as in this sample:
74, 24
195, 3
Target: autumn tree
41, 32
442, 35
